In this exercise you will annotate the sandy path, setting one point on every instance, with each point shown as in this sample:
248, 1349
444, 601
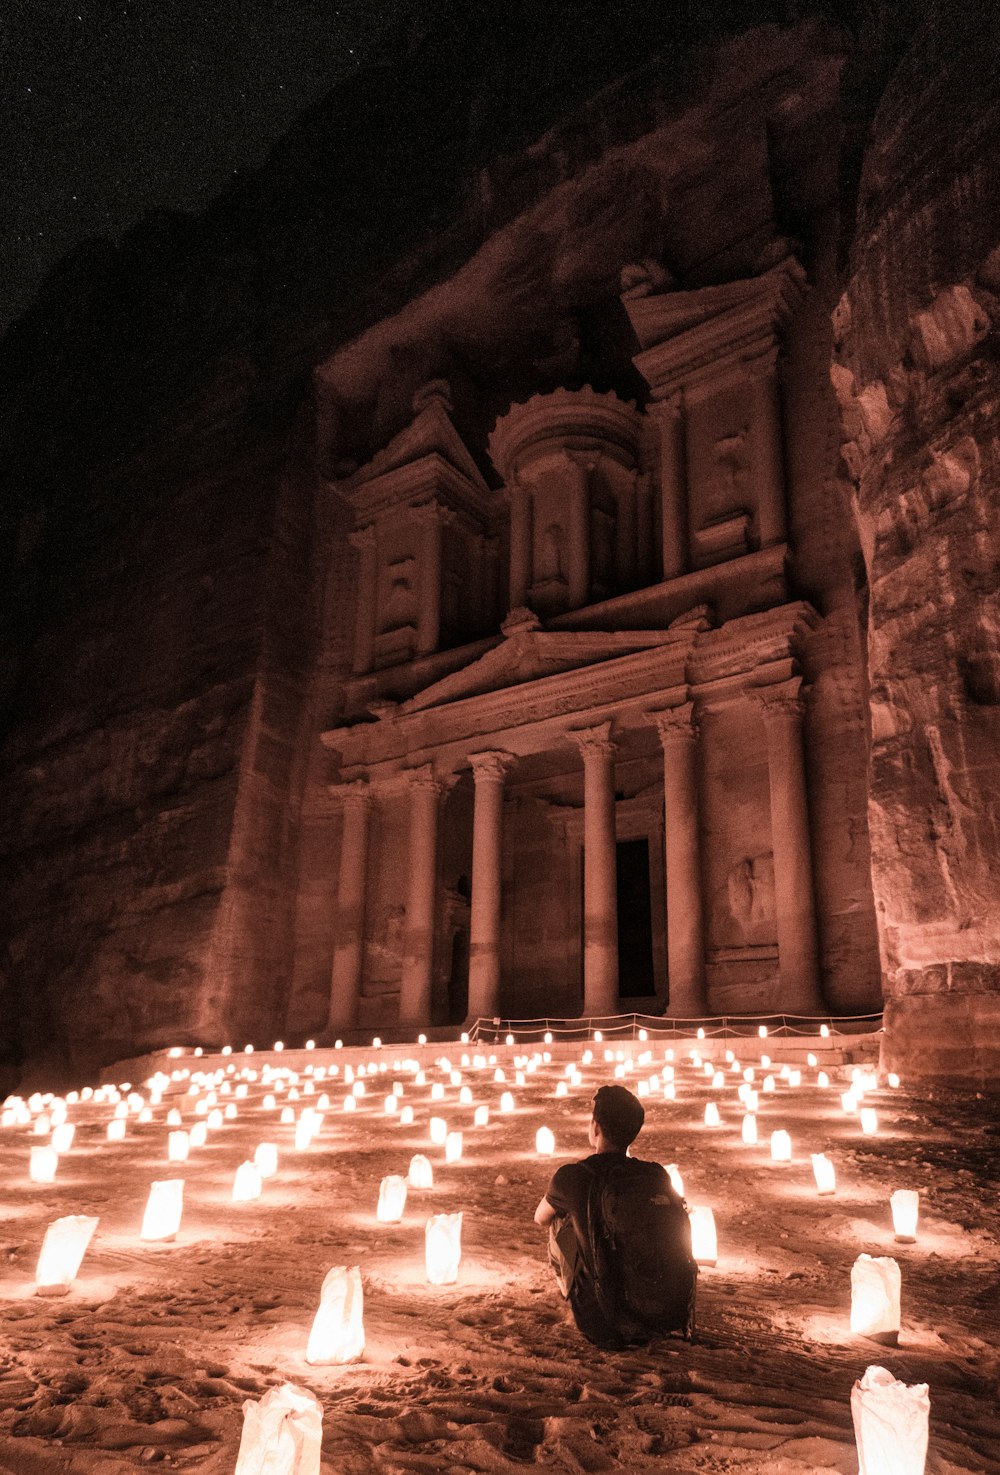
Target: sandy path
150, 1356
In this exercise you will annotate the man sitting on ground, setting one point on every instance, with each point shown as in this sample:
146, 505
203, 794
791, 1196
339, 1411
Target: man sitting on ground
619, 1238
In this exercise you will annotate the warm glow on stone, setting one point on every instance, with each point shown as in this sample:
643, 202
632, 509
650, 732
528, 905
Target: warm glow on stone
162, 1217
443, 1248
338, 1331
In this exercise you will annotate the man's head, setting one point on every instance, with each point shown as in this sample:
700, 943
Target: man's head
619, 1115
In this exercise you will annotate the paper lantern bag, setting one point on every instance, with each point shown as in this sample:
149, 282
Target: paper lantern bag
890, 1424
338, 1329
282, 1433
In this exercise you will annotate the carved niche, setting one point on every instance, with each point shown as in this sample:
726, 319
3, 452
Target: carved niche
569, 462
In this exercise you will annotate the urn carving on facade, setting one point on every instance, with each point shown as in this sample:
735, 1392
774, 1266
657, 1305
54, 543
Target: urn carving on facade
579, 516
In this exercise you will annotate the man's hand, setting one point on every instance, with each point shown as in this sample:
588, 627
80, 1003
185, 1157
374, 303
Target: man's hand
544, 1214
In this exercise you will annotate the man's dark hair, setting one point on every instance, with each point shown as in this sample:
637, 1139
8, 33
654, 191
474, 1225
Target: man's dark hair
619, 1115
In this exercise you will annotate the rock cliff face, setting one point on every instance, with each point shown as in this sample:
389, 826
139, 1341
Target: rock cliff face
170, 613
917, 375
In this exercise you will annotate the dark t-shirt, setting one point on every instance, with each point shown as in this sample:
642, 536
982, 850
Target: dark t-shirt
568, 1193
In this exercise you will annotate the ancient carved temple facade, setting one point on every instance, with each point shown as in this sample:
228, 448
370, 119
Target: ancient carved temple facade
590, 755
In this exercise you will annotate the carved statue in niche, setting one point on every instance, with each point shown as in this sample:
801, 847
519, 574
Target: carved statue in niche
384, 952
399, 605
731, 462
744, 906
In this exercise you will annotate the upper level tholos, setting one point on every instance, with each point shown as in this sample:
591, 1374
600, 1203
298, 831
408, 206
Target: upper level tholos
606, 515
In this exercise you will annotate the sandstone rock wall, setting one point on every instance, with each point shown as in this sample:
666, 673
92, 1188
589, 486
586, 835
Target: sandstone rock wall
916, 371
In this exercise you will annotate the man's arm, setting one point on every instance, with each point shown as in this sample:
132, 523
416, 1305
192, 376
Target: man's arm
544, 1214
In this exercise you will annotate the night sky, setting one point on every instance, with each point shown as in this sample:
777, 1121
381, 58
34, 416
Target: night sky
112, 108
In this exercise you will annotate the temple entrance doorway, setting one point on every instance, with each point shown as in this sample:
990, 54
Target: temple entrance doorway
636, 978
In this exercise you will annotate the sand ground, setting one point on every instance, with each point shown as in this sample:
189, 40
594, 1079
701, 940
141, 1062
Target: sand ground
149, 1358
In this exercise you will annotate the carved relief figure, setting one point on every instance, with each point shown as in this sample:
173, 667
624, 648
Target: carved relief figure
385, 947
744, 908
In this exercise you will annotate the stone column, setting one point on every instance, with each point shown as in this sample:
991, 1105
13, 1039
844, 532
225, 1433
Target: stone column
349, 938
625, 536
794, 901
421, 897
769, 458
429, 582
489, 771
674, 531
520, 545
600, 876
578, 531
685, 922
364, 629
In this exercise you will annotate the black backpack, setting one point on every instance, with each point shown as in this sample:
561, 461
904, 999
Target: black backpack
640, 1243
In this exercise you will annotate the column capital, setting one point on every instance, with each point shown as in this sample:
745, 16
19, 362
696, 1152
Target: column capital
676, 724
595, 742
669, 408
492, 766
783, 702
424, 778
357, 793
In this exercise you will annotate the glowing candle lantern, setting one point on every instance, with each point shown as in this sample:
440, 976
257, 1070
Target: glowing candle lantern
164, 1207
823, 1080
42, 1164
765, 1062
266, 1159
116, 1129
390, 1104
712, 1118
824, 1172
749, 1129
708, 1069
177, 1147
824, 1030
810, 1059
794, 1078
406, 1117
762, 1031
215, 1119
443, 1248
670, 1091
338, 1330
869, 1121
781, 1147
893, 1080
357, 1090
890, 1424
62, 1252
562, 1089
62, 1137
438, 1130
768, 1085
174, 1118
875, 1287
198, 1135
545, 1142
247, 1184
519, 1078
506, 1102
598, 1037
905, 1205
421, 1174
482, 1116
391, 1199
718, 1080
304, 1129
848, 1102
674, 1174
453, 1147
701, 1032
704, 1241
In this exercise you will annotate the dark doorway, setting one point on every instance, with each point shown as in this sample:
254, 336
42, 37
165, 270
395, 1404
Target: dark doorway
635, 921
458, 979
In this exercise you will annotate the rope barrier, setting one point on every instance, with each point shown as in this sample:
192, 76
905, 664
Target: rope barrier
618, 1026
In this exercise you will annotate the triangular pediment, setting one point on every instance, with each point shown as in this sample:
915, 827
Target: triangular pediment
532, 655
429, 434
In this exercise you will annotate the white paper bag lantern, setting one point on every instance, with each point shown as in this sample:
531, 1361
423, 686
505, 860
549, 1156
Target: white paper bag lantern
406, 1117
712, 1118
164, 1207
768, 1085
62, 1137
247, 1184
890, 1424
390, 1104
824, 1172
749, 1129
215, 1119
869, 1121
391, 1199
63, 1249
482, 1116
453, 1147
506, 1102
421, 1174
338, 1330
174, 1118
822, 1080
282, 1434
781, 1147
177, 1147
266, 1159
875, 1287
704, 1243
350, 1104
673, 1172
545, 1142
42, 1164
438, 1130
443, 1248
198, 1135
116, 1129
905, 1205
